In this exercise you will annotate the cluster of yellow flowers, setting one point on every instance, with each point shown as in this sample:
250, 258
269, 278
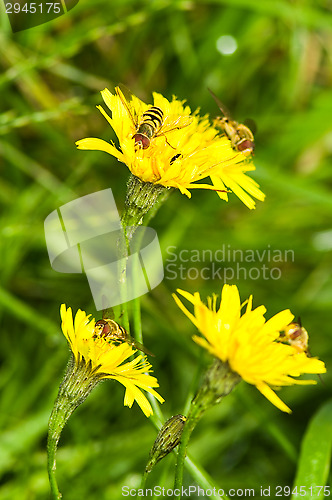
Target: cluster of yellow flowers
166, 146
250, 344
178, 149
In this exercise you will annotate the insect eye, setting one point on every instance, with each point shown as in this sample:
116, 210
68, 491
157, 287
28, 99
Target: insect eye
246, 145
141, 141
106, 329
103, 327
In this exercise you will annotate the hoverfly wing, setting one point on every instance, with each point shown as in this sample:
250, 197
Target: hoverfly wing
108, 313
251, 125
127, 94
170, 124
137, 345
220, 105
128, 100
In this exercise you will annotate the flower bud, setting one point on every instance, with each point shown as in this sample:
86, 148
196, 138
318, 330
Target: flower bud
168, 438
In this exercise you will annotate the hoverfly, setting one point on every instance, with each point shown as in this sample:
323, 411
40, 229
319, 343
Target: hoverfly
152, 123
241, 137
111, 330
295, 335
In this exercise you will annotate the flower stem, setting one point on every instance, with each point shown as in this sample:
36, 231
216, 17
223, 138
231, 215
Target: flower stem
141, 198
143, 480
196, 470
51, 466
78, 382
137, 320
193, 417
219, 381
122, 269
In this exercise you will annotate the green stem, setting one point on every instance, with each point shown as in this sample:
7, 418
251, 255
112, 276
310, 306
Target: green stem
137, 323
141, 198
143, 480
197, 471
158, 417
51, 467
78, 382
124, 251
193, 417
218, 381
59, 416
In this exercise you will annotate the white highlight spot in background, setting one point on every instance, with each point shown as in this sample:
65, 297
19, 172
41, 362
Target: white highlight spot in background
226, 45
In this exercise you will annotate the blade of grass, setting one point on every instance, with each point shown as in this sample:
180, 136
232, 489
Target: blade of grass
27, 314
34, 170
303, 15
315, 458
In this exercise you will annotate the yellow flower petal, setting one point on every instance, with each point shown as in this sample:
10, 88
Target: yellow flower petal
273, 398
109, 359
94, 144
249, 343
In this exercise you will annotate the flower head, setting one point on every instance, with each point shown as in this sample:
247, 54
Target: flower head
108, 359
248, 343
178, 149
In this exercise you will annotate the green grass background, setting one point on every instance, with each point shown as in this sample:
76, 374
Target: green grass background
280, 76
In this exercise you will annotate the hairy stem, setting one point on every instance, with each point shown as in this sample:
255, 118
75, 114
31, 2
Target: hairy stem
78, 382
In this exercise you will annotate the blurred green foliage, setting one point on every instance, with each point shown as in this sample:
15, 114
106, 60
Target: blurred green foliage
280, 76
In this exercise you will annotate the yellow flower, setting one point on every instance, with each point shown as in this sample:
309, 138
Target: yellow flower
185, 149
248, 343
107, 359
